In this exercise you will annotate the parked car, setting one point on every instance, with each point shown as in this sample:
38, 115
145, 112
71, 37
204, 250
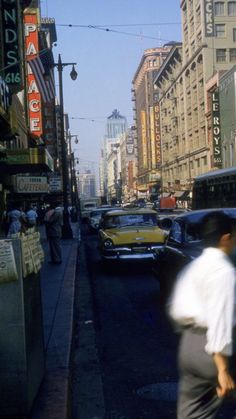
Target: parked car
130, 234
184, 244
165, 218
95, 216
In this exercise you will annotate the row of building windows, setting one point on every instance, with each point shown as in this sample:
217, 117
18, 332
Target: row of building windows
186, 167
220, 8
220, 31
221, 55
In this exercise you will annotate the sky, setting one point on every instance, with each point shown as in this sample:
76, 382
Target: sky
106, 60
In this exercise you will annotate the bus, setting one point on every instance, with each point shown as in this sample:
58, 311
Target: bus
215, 189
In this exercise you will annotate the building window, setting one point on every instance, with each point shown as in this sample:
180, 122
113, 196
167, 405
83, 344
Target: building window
231, 155
220, 31
204, 160
232, 54
219, 8
220, 55
234, 34
232, 8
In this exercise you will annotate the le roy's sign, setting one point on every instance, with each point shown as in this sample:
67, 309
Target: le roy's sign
217, 155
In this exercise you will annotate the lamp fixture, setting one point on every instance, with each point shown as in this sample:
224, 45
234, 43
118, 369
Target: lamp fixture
73, 73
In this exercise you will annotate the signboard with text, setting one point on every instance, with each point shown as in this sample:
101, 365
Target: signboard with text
32, 49
144, 138
55, 184
31, 184
217, 155
209, 18
11, 42
157, 134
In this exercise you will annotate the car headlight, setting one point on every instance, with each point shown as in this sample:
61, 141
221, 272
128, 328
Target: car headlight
108, 243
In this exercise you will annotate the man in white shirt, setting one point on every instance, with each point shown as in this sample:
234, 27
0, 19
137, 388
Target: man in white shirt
203, 304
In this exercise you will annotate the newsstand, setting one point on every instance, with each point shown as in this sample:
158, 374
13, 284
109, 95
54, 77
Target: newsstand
22, 361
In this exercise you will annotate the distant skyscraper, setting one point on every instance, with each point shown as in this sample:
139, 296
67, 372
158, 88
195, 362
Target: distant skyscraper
115, 127
87, 185
116, 124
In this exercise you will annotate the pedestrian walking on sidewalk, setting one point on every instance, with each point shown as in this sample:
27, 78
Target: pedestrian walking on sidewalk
53, 223
31, 216
16, 219
203, 305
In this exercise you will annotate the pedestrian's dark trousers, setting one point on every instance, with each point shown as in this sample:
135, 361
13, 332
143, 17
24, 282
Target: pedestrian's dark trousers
55, 249
197, 397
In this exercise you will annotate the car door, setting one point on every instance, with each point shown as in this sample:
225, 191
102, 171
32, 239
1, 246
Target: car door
171, 259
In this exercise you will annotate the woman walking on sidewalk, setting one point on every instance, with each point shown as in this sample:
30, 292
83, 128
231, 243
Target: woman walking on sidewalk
53, 222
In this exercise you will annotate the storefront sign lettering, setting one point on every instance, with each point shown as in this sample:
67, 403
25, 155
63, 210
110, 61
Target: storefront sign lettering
34, 97
9, 11
26, 184
217, 155
209, 18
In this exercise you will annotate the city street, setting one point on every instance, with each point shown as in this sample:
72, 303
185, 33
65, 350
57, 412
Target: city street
124, 364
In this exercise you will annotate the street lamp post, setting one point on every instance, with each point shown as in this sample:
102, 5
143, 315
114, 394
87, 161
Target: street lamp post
66, 230
72, 169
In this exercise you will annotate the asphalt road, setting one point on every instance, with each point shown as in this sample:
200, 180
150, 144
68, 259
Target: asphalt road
132, 371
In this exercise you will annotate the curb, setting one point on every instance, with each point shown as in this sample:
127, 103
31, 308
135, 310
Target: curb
88, 400
54, 395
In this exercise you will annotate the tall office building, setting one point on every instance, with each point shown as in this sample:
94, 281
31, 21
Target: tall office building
146, 116
208, 49
116, 124
87, 185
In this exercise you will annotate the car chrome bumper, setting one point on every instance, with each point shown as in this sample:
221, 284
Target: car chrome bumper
125, 253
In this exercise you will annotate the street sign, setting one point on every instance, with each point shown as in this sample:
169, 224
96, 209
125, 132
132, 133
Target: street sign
55, 184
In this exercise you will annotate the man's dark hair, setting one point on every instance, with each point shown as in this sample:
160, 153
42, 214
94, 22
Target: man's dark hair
214, 225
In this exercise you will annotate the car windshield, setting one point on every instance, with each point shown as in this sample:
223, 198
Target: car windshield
90, 205
118, 221
96, 213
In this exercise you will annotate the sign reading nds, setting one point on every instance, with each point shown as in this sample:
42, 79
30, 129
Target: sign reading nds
209, 18
10, 30
217, 157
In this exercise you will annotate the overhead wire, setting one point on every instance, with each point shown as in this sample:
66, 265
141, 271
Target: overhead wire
107, 29
100, 119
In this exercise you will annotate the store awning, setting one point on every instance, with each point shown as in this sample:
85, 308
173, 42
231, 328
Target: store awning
29, 160
181, 195
142, 188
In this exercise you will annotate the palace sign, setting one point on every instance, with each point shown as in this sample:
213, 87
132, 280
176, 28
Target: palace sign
32, 49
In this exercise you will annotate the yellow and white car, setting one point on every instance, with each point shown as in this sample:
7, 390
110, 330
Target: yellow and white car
130, 234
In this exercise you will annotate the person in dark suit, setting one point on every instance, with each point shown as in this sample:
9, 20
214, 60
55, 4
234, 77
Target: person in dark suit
53, 222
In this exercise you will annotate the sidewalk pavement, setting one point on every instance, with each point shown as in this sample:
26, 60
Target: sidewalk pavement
58, 285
